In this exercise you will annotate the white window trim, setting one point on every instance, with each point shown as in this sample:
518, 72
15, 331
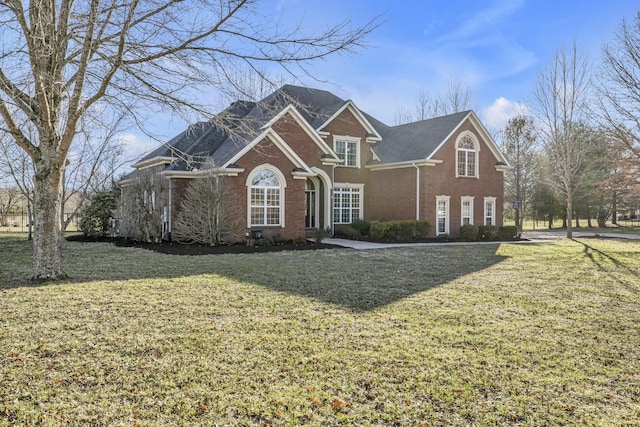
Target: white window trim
477, 151
492, 201
470, 200
283, 185
348, 139
359, 187
447, 200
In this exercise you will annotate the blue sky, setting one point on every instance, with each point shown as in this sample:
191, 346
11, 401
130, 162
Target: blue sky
495, 47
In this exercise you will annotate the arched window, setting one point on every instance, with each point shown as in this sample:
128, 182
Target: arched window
467, 155
265, 197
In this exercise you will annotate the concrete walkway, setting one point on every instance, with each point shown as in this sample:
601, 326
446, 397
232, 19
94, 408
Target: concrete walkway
531, 236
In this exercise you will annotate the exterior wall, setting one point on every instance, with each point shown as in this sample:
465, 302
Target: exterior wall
266, 152
299, 141
346, 124
392, 194
441, 180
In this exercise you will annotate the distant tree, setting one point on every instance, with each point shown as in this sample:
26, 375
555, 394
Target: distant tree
519, 146
560, 102
619, 85
9, 198
454, 99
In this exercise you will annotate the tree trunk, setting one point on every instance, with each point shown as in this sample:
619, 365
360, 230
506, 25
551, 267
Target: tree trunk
47, 251
569, 217
614, 209
29, 220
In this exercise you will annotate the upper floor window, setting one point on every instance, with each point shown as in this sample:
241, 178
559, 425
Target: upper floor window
467, 155
348, 150
265, 198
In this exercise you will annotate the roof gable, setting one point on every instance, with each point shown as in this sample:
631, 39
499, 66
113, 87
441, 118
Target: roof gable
349, 105
273, 136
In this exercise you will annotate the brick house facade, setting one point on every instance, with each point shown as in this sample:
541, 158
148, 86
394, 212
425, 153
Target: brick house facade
304, 159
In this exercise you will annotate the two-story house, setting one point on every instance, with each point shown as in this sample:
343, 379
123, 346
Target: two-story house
304, 159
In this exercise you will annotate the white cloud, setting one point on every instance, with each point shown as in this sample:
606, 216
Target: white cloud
134, 147
496, 115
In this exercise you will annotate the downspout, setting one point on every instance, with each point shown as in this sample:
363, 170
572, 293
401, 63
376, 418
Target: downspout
333, 184
170, 207
417, 191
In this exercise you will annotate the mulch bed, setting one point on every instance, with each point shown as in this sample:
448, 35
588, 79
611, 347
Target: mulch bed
173, 248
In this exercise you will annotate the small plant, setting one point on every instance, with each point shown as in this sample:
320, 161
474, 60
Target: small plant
277, 239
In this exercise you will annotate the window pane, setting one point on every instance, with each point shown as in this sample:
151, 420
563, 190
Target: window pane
257, 216
351, 154
340, 149
273, 216
265, 178
462, 163
471, 163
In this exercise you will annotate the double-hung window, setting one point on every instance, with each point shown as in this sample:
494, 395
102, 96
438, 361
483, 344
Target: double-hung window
347, 203
489, 211
348, 150
466, 214
442, 215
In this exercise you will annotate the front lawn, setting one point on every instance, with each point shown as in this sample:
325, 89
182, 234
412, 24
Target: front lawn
511, 334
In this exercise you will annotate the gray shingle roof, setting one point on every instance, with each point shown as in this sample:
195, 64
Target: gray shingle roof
417, 140
225, 134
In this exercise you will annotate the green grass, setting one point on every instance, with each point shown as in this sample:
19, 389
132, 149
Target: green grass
535, 334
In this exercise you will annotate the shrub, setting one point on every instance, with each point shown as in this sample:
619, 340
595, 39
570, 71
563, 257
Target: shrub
277, 239
468, 233
350, 233
362, 226
387, 231
487, 232
508, 232
94, 220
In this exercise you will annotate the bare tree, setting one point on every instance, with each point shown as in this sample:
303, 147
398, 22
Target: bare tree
9, 198
456, 98
519, 146
95, 157
17, 166
619, 85
144, 207
62, 59
560, 97
204, 215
